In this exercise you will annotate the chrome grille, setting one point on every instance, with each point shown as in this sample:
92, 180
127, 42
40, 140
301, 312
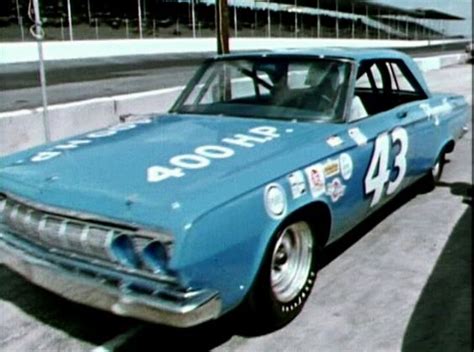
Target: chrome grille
54, 231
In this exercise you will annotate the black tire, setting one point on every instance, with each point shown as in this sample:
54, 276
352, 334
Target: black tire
428, 183
269, 304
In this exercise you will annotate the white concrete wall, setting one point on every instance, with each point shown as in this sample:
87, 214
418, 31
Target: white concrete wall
155, 101
20, 130
70, 119
23, 129
81, 49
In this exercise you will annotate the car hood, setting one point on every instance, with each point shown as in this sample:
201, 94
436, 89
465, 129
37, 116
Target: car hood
106, 173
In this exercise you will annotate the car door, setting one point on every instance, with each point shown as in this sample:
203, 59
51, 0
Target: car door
389, 126
415, 112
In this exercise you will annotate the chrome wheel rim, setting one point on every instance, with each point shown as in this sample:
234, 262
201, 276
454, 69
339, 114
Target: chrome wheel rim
291, 261
435, 169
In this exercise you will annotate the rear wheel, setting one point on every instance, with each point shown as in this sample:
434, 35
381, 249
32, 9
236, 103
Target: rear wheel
428, 183
286, 277
437, 169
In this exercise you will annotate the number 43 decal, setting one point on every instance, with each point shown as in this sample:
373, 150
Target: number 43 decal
379, 173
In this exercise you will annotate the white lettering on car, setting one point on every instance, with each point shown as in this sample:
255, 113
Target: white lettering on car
204, 155
379, 170
160, 173
214, 151
73, 144
42, 156
190, 161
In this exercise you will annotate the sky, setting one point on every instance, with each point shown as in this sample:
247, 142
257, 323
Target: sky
462, 8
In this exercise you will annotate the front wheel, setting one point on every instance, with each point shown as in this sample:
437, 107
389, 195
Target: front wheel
286, 277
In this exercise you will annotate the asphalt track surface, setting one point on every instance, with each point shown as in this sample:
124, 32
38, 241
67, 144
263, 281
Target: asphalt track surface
399, 282
72, 80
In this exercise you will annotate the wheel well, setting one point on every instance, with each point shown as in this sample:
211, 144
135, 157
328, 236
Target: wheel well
318, 215
448, 147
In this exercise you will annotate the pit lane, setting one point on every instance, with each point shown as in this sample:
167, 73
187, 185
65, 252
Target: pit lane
401, 281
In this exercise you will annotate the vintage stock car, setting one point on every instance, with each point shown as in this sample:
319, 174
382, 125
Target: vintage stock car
226, 201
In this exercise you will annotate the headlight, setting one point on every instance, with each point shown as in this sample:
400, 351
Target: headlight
155, 257
121, 250
3, 205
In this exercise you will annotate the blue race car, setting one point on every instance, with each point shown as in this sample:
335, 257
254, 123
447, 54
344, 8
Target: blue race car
227, 200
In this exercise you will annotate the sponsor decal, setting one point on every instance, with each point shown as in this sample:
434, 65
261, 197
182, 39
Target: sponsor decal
334, 141
275, 201
59, 149
335, 189
316, 180
331, 168
357, 136
297, 184
345, 162
203, 156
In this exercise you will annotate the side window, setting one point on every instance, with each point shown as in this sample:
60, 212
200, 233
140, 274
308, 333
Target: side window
374, 69
399, 80
382, 85
370, 78
363, 81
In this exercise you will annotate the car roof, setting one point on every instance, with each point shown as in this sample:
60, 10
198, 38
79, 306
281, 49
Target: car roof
354, 54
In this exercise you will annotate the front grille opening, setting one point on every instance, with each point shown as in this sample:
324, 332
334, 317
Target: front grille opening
114, 246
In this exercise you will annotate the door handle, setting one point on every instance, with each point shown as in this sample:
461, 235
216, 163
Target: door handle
402, 114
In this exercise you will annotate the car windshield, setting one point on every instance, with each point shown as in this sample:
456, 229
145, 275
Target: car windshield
274, 88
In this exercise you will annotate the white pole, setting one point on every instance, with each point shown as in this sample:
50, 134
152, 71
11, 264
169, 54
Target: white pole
89, 15
367, 22
193, 14
235, 20
378, 25
71, 37
269, 19
140, 19
96, 28
126, 27
337, 18
406, 27
389, 27
39, 37
296, 18
416, 29
20, 21
255, 14
279, 25
319, 21
353, 21
62, 28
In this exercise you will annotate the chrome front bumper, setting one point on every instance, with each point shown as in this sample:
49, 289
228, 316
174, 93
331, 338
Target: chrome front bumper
183, 309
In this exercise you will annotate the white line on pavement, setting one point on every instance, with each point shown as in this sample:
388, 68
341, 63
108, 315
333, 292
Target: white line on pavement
117, 341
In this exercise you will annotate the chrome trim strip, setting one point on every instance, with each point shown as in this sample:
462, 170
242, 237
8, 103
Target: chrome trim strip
193, 308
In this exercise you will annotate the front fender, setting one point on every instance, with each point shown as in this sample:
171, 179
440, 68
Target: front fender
224, 249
